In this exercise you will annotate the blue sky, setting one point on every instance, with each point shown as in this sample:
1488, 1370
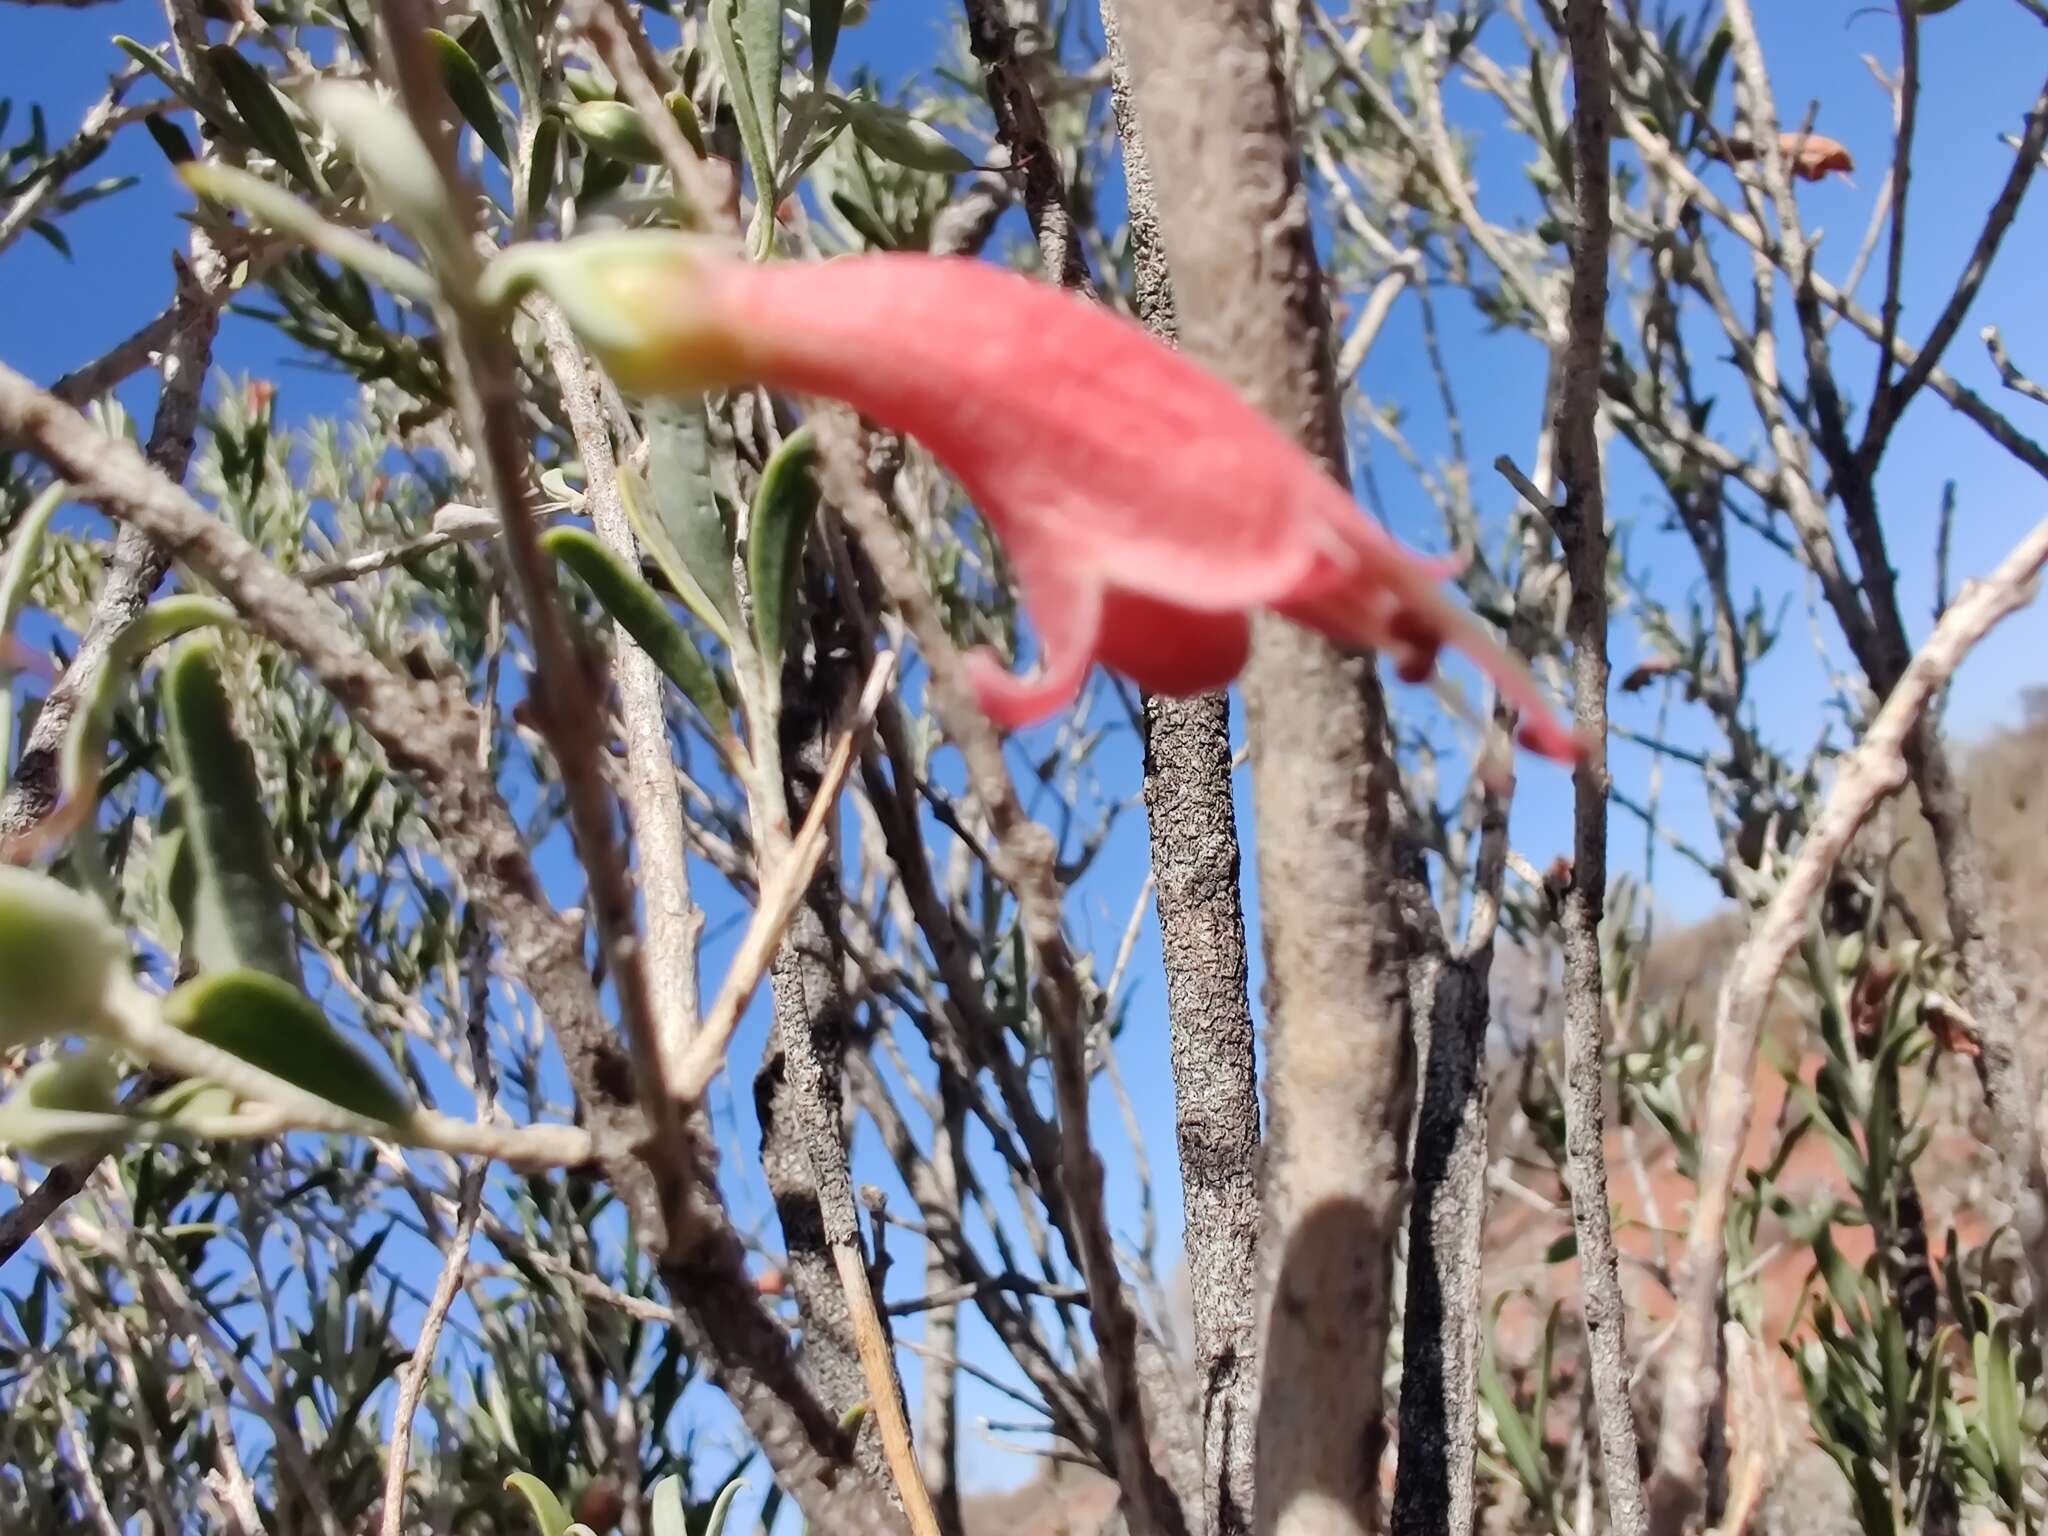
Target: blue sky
1982, 65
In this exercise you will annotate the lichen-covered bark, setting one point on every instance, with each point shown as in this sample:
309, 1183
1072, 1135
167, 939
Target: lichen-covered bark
797, 1092
1195, 866
1433, 1489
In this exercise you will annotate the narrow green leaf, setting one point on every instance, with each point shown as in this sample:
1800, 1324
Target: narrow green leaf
358, 28
548, 1515
738, 86
721, 1507
689, 533
58, 952
171, 139
513, 30
825, 18
541, 165
274, 208
1706, 80
274, 1026
602, 176
1843, 1283
896, 136
16, 570
759, 25
238, 915
471, 93
172, 81
590, 85
477, 41
638, 609
684, 111
781, 520
85, 745
51, 235
263, 112
1524, 1451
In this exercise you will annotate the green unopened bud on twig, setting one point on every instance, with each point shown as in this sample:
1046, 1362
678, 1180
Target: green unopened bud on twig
58, 955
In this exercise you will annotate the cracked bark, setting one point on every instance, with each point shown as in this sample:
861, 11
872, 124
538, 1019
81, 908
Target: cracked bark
1195, 865
1433, 1488
800, 1095
1190, 805
797, 1092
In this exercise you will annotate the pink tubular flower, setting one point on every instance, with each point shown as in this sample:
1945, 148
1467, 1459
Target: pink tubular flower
1146, 509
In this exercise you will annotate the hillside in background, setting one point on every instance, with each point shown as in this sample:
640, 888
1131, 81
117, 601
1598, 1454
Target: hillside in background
2007, 777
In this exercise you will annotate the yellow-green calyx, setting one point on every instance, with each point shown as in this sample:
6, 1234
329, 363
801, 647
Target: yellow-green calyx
644, 301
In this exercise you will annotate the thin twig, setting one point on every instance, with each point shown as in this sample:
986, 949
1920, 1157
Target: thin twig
469, 1201
1024, 859
71, 1444
99, 124
1582, 529
1865, 779
138, 562
673, 919
2005, 207
1901, 182
1021, 126
782, 891
624, 46
2008, 370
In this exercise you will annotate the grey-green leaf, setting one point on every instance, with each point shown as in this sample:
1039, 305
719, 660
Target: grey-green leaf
685, 514
638, 609
263, 113
170, 79
512, 29
58, 952
274, 1026
738, 85
238, 917
783, 509
760, 33
895, 135
470, 92
272, 206
85, 745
